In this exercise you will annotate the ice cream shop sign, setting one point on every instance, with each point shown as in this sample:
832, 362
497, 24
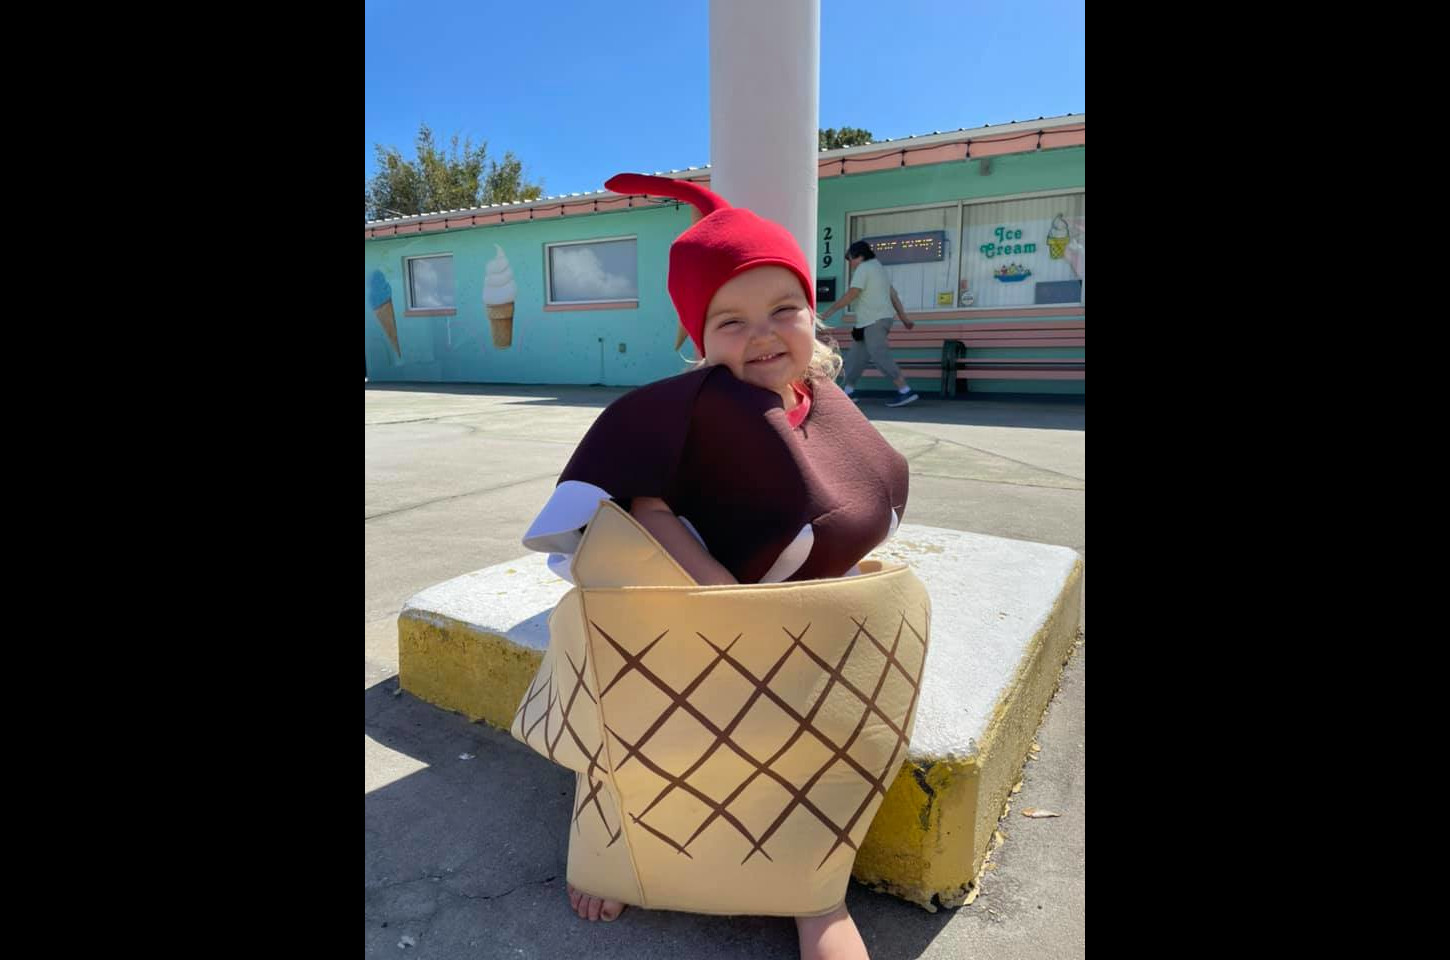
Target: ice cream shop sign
1006, 244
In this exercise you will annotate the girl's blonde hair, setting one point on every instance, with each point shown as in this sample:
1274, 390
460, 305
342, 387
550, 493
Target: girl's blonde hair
826, 359
825, 362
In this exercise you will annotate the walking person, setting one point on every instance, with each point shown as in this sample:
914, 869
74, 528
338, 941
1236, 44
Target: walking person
877, 307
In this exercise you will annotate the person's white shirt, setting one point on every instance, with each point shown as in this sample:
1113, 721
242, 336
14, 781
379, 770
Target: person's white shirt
874, 301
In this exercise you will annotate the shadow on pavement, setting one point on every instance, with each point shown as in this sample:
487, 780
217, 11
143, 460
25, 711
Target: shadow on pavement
467, 858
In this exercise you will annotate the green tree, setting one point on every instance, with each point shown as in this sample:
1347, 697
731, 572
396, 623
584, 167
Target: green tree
439, 179
832, 139
505, 181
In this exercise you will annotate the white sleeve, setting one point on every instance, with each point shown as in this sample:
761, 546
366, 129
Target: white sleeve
559, 526
793, 557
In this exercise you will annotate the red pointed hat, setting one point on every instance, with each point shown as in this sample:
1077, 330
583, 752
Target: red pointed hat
725, 243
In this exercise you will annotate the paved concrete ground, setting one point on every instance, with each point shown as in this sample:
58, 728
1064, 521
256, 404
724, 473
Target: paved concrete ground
466, 856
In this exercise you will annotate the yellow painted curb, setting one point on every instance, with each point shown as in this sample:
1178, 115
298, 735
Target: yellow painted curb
934, 829
460, 668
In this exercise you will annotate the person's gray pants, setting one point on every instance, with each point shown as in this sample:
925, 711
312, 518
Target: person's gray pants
871, 350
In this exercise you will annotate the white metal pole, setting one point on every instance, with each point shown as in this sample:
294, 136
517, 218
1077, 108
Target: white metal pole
765, 85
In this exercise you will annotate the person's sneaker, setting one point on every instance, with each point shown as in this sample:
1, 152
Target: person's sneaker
852, 395
902, 399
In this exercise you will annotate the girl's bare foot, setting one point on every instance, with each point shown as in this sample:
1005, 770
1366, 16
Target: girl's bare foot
832, 937
597, 908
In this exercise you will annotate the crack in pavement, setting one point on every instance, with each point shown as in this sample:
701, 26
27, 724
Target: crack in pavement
388, 423
1004, 483
404, 883
924, 450
441, 416
990, 453
935, 441
471, 428
499, 896
424, 924
459, 893
459, 496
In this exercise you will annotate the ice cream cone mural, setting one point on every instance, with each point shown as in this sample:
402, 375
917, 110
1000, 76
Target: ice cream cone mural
1075, 256
380, 297
1057, 237
499, 294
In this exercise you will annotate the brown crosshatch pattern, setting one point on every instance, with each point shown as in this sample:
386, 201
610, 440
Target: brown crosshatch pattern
723, 732
830, 723
544, 719
738, 740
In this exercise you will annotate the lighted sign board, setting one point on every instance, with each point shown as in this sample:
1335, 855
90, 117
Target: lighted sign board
926, 247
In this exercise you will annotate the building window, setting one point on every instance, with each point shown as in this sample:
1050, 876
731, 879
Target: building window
918, 249
430, 282
996, 254
592, 271
1023, 253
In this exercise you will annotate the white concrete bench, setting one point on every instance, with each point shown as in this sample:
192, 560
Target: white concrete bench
1004, 621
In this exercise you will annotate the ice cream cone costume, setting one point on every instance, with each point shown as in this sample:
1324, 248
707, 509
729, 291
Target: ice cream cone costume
732, 743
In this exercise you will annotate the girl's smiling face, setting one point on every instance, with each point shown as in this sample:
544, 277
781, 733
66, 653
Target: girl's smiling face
759, 325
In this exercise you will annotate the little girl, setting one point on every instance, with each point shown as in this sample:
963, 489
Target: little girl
752, 468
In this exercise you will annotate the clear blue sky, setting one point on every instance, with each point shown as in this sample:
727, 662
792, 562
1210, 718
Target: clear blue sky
582, 90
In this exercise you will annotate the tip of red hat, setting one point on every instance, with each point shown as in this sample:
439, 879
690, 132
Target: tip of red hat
706, 201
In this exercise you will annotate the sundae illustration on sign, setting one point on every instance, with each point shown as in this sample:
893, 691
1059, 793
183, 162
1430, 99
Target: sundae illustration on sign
499, 293
1012, 273
1057, 237
380, 298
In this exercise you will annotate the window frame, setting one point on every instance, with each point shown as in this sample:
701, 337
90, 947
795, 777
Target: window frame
551, 304
416, 311
961, 205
